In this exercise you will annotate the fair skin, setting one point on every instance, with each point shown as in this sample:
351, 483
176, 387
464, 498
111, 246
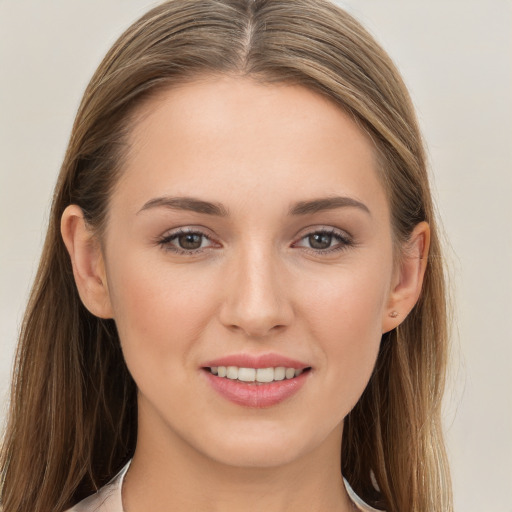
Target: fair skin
259, 279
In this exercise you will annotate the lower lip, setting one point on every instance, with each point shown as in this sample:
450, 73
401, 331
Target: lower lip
256, 395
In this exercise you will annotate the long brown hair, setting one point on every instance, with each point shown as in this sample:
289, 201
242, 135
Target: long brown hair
72, 421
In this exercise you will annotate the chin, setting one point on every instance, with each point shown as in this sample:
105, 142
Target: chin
256, 454
266, 445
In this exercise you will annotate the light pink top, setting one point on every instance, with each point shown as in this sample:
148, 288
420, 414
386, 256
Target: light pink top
108, 498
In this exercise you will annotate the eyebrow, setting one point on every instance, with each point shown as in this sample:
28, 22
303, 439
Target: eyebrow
187, 203
326, 203
217, 209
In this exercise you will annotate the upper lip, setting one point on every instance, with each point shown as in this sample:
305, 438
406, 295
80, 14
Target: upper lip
270, 360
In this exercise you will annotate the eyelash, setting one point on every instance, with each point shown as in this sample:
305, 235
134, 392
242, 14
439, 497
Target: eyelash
343, 239
165, 242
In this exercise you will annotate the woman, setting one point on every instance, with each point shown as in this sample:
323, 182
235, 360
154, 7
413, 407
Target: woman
241, 290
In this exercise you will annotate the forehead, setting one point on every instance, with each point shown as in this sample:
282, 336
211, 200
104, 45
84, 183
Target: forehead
226, 135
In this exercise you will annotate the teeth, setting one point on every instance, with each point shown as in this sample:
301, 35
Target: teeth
247, 374
279, 373
232, 372
263, 375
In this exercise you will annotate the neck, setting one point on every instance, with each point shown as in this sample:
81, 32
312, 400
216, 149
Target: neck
176, 477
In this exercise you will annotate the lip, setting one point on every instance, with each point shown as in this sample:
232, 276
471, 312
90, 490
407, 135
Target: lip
256, 395
256, 361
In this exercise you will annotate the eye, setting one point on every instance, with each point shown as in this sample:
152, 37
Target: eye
186, 241
190, 241
320, 240
325, 241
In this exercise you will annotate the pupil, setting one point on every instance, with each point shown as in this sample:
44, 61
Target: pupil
190, 241
320, 240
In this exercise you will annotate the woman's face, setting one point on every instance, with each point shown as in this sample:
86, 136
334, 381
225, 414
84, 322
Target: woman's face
249, 230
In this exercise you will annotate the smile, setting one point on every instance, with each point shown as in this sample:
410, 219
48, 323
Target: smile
256, 380
256, 375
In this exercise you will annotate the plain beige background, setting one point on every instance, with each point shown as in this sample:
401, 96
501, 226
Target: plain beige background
456, 57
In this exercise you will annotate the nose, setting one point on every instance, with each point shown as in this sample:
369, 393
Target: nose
256, 300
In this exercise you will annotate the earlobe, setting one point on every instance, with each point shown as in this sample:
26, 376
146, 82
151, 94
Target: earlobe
87, 261
408, 281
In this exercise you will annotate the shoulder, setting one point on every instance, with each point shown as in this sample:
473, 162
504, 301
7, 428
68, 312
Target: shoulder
358, 502
107, 499
102, 501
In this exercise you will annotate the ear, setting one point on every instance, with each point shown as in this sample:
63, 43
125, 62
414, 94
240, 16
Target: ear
408, 278
87, 261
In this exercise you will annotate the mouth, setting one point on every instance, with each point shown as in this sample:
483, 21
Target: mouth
256, 381
256, 376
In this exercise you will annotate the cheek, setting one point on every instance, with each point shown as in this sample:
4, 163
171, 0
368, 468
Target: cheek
160, 312
347, 302
344, 315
